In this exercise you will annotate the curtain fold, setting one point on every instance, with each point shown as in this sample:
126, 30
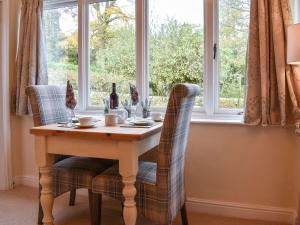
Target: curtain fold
31, 58
273, 90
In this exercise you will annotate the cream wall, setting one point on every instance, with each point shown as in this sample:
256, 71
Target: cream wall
237, 163
225, 163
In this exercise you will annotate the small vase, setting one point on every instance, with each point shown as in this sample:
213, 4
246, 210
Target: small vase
128, 114
146, 114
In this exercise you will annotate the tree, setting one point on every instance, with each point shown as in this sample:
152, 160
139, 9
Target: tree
106, 17
54, 34
176, 50
176, 56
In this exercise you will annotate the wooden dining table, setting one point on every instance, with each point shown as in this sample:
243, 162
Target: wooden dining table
119, 143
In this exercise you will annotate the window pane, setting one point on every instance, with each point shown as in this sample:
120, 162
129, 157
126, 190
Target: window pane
233, 38
112, 48
176, 46
61, 27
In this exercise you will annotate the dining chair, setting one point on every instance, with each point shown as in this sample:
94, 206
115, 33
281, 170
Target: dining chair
160, 186
69, 173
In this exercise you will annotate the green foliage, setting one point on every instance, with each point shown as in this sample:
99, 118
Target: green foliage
176, 53
146, 105
234, 19
176, 56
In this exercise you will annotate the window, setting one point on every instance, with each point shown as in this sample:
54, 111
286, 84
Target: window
153, 43
61, 27
233, 33
176, 47
112, 48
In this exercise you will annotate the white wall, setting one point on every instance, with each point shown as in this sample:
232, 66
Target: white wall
5, 160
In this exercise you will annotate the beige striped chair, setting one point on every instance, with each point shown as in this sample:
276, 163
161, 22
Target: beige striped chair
69, 173
160, 186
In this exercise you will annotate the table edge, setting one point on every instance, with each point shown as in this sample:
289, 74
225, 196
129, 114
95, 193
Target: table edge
107, 136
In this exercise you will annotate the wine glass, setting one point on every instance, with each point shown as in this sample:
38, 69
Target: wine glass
70, 103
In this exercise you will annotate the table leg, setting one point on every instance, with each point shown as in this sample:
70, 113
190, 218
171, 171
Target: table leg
128, 169
46, 194
45, 162
129, 192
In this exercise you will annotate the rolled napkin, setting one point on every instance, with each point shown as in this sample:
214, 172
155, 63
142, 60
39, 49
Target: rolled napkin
70, 97
134, 94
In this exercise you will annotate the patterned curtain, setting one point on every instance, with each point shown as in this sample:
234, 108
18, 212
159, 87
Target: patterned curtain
31, 58
273, 92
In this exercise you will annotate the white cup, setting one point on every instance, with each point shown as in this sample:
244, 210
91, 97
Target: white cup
121, 113
156, 116
111, 119
85, 121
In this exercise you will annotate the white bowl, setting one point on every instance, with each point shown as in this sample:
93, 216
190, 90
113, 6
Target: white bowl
85, 121
156, 116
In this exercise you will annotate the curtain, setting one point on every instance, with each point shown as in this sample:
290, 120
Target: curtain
273, 91
31, 58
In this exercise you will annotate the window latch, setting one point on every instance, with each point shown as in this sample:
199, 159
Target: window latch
215, 50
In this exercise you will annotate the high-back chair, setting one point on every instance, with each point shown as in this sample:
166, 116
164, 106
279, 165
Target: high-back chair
69, 173
160, 187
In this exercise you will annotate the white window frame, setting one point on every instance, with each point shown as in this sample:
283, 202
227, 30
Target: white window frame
210, 107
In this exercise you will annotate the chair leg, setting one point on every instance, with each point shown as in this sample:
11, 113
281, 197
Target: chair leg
41, 214
122, 205
72, 197
184, 215
95, 201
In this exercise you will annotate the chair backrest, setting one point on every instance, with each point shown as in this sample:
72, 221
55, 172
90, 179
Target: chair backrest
172, 147
48, 104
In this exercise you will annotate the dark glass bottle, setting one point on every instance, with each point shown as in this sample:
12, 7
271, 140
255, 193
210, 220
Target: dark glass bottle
114, 98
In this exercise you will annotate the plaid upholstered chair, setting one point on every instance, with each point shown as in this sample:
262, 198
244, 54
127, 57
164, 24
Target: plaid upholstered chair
160, 186
69, 173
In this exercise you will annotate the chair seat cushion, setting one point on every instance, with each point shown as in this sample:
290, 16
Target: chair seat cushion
77, 172
151, 201
110, 181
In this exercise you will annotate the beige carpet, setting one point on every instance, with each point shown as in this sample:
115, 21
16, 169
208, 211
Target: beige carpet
19, 207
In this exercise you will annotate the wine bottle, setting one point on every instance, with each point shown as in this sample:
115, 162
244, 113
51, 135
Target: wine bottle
114, 98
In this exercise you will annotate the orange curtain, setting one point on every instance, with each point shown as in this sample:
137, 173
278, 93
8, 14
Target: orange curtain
273, 87
31, 58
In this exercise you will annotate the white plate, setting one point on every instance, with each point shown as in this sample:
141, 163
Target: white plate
86, 126
143, 122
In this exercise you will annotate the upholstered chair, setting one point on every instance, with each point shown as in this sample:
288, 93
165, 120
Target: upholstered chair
69, 173
160, 186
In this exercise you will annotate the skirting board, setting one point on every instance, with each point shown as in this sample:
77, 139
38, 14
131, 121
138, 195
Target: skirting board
29, 181
228, 209
245, 211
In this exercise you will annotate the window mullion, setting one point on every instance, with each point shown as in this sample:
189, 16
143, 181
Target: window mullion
209, 93
216, 61
83, 53
297, 11
142, 62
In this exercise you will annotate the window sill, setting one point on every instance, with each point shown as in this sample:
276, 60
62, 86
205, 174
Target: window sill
197, 118
220, 118
226, 121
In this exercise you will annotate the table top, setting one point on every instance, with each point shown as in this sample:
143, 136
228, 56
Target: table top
99, 131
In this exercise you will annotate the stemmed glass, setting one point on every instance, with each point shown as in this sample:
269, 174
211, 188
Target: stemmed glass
70, 103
